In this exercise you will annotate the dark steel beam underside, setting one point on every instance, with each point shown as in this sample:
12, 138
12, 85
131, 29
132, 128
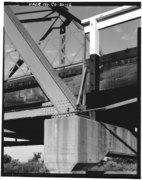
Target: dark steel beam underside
30, 82
22, 143
25, 128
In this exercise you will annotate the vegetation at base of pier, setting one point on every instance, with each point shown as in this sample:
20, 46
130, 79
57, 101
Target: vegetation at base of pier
14, 166
116, 164
36, 166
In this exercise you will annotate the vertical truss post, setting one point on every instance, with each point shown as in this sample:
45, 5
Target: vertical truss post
139, 92
62, 44
94, 37
93, 66
84, 67
94, 56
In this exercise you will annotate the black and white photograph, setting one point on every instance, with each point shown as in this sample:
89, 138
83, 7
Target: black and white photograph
71, 89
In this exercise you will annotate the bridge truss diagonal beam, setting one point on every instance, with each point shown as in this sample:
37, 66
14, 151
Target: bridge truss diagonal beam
65, 13
47, 77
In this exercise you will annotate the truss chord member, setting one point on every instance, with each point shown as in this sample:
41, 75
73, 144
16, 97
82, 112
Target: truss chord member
46, 76
113, 17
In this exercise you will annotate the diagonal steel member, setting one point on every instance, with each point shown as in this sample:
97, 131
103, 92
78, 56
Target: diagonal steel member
47, 77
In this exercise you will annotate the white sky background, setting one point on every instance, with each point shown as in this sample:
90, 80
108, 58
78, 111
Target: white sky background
124, 35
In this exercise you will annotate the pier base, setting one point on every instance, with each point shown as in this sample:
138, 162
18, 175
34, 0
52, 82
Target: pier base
77, 143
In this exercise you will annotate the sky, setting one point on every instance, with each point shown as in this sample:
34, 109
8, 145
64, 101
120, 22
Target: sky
112, 39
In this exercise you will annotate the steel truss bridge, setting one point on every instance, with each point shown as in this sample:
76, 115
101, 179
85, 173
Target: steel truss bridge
80, 116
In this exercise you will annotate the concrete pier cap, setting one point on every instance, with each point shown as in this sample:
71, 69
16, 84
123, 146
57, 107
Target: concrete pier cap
77, 143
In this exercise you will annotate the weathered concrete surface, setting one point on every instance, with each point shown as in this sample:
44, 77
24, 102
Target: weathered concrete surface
60, 143
76, 143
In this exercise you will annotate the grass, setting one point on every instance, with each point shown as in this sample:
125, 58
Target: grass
37, 167
116, 164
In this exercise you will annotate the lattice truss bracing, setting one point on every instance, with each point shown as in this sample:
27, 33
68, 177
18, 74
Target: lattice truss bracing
53, 45
54, 39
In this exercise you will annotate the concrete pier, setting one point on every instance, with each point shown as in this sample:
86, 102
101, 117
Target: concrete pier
77, 143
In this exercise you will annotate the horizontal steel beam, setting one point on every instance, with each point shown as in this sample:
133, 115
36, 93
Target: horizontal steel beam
113, 17
46, 111
25, 135
49, 111
17, 84
22, 143
32, 12
26, 82
120, 19
8, 131
67, 71
10, 135
110, 14
36, 20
